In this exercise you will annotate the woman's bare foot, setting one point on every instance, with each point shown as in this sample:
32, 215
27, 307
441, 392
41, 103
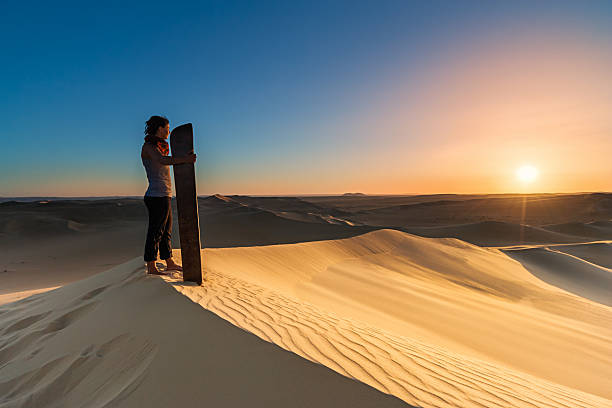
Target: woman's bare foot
172, 266
152, 269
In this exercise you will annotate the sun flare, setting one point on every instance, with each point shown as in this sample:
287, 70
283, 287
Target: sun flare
527, 173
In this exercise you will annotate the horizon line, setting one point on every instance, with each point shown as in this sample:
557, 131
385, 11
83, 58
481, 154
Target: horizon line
325, 194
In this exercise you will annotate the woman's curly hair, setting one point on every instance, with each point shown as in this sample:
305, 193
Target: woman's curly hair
154, 123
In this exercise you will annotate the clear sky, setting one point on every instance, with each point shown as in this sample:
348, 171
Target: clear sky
309, 97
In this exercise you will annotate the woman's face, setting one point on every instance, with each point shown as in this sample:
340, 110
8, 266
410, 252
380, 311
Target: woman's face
163, 131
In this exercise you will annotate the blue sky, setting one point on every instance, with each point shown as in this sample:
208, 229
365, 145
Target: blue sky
279, 92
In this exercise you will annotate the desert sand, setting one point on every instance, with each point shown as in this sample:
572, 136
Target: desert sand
360, 316
123, 339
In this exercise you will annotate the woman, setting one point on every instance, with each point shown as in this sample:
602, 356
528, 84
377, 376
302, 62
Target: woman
158, 196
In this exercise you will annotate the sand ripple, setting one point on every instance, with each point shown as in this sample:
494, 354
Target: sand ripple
418, 373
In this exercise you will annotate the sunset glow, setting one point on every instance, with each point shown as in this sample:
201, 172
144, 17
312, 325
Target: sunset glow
527, 173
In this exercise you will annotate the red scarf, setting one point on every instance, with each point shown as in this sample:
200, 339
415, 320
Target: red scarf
161, 144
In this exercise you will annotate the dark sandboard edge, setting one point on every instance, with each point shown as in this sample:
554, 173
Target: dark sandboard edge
181, 142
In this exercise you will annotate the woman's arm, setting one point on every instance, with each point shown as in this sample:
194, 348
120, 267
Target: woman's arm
156, 156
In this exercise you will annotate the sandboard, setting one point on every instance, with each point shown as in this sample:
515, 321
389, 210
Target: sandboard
181, 143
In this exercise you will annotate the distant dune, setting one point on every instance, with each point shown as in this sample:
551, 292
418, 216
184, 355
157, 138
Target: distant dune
597, 253
37, 225
293, 208
495, 233
448, 209
569, 272
57, 218
593, 230
236, 221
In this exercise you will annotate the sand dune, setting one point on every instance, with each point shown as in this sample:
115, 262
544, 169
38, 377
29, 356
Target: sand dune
495, 233
31, 264
446, 210
593, 230
123, 339
293, 204
37, 225
353, 203
65, 218
576, 275
242, 226
599, 253
436, 322
297, 209
433, 322
473, 308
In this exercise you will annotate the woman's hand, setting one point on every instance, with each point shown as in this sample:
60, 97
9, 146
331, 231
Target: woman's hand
190, 158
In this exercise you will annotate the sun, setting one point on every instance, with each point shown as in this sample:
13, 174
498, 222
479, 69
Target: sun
527, 173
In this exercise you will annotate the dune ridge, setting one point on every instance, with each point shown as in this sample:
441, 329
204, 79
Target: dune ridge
594, 230
476, 302
598, 253
496, 233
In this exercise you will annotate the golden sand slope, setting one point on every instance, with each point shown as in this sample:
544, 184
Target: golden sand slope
123, 339
436, 322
